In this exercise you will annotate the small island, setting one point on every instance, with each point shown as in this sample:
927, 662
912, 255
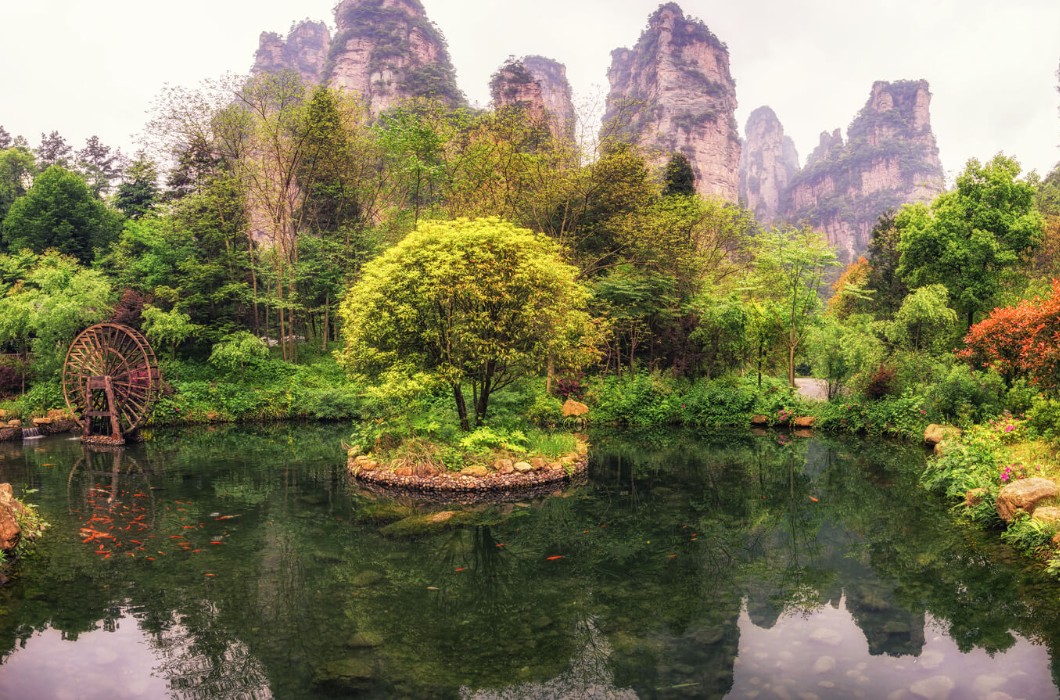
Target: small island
457, 310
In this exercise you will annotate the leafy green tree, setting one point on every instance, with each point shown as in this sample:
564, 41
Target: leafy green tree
701, 246
16, 173
60, 212
168, 328
198, 256
236, 352
791, 266
477, 302
637, 302
138, 191
45, 300
722, 332
971, 236
840, 348
679, 176
925, 321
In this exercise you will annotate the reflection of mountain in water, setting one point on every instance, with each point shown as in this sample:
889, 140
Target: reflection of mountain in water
590, 676
633, 585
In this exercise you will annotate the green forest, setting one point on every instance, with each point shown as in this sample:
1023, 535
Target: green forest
449, 277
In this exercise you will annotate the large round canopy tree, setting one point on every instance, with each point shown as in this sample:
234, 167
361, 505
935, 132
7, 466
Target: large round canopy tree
477, 303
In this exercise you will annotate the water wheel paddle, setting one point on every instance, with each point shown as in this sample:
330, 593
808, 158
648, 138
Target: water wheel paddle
110, 381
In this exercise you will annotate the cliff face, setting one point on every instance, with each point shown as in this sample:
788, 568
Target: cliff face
767, 164
539, 86
385, 50
889, 158
673, 92
555, 92
305, 50
388, 51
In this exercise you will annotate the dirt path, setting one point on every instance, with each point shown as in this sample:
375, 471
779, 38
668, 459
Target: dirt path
810, 388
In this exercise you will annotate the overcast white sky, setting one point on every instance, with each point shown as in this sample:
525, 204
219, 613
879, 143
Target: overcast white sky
86, 68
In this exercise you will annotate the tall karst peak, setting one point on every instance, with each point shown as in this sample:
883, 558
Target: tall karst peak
386, 51
389, 51
305, 50
673, 92
767, 164
889, 158
538, 85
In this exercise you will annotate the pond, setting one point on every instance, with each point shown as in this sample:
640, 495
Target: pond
239, 562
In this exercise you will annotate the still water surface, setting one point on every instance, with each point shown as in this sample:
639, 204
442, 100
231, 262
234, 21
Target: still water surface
239, 562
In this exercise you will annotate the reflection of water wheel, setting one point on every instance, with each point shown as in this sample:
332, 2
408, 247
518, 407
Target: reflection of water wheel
111, 494
110, 380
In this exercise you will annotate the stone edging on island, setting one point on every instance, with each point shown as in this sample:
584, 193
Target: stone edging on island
455, 482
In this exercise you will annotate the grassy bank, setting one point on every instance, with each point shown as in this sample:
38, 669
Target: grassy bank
197, 392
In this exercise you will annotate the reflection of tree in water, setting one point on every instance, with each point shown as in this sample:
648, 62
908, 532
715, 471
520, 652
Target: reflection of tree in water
203, 662
673, 536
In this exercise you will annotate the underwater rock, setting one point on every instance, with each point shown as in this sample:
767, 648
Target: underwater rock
366, 578
365, 640
344, 675
384, 512
420, 524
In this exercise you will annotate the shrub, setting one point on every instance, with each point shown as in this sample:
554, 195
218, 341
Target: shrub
967, 465
10, 377
1019, 399
881, 382
1030, 536
965, 396
484, 440
899, 416
237, 352
1044, 417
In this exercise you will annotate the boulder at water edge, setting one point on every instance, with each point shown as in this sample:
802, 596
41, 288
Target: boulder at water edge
935, 433
1023, 495
10, 510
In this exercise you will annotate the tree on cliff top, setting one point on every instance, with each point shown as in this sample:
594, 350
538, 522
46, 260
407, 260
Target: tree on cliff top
477, 302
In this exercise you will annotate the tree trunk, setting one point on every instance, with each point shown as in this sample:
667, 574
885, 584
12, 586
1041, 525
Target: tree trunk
327, 307
482, 402
461, 408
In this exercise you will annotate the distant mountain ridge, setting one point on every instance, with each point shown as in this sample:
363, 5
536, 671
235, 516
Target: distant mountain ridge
672, 92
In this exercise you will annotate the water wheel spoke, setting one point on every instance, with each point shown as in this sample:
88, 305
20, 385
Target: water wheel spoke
110, 369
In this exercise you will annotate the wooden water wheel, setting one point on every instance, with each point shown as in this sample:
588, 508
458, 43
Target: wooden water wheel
110, 380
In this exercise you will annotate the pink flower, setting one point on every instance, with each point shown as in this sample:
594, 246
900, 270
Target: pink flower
1009, 428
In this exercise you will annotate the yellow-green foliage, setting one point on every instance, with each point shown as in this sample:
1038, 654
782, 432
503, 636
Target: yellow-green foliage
479, 302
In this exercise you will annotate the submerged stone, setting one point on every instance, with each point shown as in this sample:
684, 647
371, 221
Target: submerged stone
420, 524
344, 675
365, 640
366, 578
